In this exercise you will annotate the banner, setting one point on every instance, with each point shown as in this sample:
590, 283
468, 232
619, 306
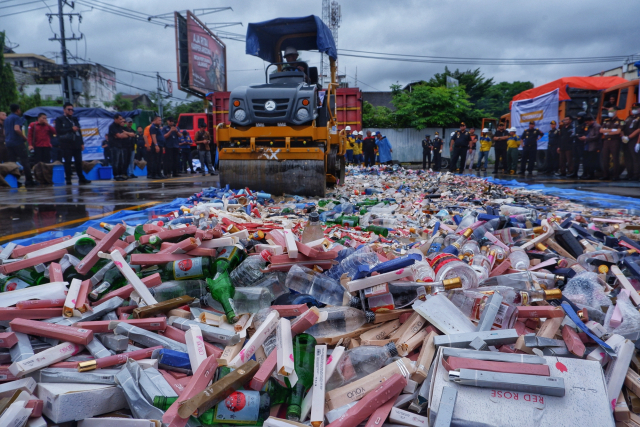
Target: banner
93, 131
541, 109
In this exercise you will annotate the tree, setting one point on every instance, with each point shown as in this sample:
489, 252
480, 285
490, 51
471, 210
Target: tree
496, 100
377, 117
473, 81
8, 88
428, 106
119, 103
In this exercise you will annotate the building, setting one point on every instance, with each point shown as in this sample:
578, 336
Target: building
626, 71
141, 101
92, 84
379, 99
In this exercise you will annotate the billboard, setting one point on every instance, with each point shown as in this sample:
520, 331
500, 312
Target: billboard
201, 57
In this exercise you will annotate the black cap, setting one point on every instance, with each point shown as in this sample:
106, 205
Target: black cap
354, 302
427, 136
314, 217
553, 122
532, 122
462, 124
393, 351
370, 316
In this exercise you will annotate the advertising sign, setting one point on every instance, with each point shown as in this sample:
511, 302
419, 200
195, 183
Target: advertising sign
202, 57
541, 109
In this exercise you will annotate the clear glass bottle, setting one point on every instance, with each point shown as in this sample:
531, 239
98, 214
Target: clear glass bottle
422, 272
245, 300
340, 321
454, 248
519, 259
313, 230
521, 281
509, 210
590, 260
275, 282
321, 287
250, 270
359, 362
473, 302
448, 266
178, 288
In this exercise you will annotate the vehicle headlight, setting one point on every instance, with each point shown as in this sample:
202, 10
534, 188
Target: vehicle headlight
302, 114
240, 115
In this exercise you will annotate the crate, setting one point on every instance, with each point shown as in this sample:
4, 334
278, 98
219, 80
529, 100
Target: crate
93, 173
11, 180
105, 172
139, 172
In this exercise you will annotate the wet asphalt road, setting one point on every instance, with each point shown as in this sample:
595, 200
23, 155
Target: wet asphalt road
25, 212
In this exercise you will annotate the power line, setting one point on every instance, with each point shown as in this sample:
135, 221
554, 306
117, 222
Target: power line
482, 61
24, 11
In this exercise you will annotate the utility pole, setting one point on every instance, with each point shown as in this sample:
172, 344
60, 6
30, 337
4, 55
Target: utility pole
159, 97
67, 88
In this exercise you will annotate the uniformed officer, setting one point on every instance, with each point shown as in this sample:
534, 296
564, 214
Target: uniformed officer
436, 148
426, 151
611, 138
551, 161
591, 141
500, 138
460, 144
631, 130
530, 139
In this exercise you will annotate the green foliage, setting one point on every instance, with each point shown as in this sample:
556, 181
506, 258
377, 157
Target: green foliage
119, 103
377, 117
427, 106
28, 102
496, 100
8, 89
473, 81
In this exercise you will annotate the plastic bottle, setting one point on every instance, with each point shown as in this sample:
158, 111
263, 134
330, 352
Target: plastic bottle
360, 362
402, 294
454, 248
313, 230
362, 256
519, 259
340, 321
435, 246
385, 222
175, 289
592, 260
275, 283
245, 300
468, 219
250, 270
321, 287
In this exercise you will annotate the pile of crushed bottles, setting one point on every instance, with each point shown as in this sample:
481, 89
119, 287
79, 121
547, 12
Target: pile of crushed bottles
397, 300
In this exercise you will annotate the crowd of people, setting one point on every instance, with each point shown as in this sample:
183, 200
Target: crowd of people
166, 149
369, 150
574, 142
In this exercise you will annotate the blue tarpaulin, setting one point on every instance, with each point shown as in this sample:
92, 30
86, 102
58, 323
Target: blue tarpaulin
263, 38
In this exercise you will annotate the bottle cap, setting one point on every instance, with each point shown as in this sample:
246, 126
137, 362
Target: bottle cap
266, 255
314, 217
467, 233
354, 302
370, 316
454, 283
391, 347
538, 230
552, 294
89, 365
541, 247
603, 269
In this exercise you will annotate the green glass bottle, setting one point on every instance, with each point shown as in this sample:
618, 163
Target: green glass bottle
382, 231
223, 291
277, 393
31, 276
164, 402
113, 280
228, 258
303, 358
139, 232
11, 283
193, 268
83, 246
350, 220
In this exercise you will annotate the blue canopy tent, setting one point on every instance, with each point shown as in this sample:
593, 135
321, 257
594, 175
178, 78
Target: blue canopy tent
93, 121
265, 39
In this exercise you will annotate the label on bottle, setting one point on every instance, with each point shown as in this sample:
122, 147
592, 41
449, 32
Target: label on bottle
241, 407
13, 284
376, 290
187, 268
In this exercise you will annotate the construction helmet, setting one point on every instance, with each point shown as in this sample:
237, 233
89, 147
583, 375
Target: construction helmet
347, 128
512, 129
485, 130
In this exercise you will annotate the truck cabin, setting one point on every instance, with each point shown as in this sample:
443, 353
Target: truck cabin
622, 96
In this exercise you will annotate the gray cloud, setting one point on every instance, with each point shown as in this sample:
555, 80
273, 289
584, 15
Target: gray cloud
460, 28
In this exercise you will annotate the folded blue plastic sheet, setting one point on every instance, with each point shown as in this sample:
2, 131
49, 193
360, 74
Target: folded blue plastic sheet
132, 218
586, 198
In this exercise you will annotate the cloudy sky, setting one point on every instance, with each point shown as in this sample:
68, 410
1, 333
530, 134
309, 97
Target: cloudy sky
451, 28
